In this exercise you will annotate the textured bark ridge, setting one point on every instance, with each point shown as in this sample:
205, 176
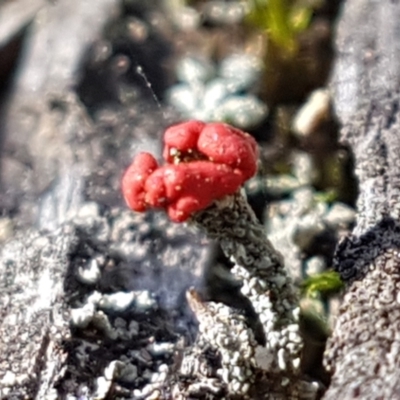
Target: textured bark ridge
364, 350
32, 274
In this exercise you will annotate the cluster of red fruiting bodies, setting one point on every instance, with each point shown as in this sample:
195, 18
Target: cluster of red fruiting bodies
203, 163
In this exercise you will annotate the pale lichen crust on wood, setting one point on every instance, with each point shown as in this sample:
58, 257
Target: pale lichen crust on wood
363, 353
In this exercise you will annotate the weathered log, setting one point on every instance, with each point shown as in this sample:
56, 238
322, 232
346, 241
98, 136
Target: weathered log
364, 350
73, 324
33, 318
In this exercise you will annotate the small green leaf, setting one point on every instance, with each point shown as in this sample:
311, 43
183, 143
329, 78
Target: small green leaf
325, 284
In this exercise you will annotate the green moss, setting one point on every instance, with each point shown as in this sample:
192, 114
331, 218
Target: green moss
282, 20
324, 284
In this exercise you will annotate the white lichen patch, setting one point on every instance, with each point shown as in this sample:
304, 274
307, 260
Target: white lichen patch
208, 93
119, 301
9, 379
89, 274
157, 349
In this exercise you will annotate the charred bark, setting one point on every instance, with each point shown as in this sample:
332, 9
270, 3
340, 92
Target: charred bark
363, 352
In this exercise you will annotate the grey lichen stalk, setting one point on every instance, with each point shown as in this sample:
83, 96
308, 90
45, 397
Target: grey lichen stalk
265, 281
223, 331
245, 365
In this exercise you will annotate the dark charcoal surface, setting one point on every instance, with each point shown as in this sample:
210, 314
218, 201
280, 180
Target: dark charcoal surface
363, 352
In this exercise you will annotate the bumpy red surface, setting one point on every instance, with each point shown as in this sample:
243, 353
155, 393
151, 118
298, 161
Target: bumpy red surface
204, 162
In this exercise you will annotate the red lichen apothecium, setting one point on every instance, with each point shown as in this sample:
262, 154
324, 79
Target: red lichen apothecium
204, 162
